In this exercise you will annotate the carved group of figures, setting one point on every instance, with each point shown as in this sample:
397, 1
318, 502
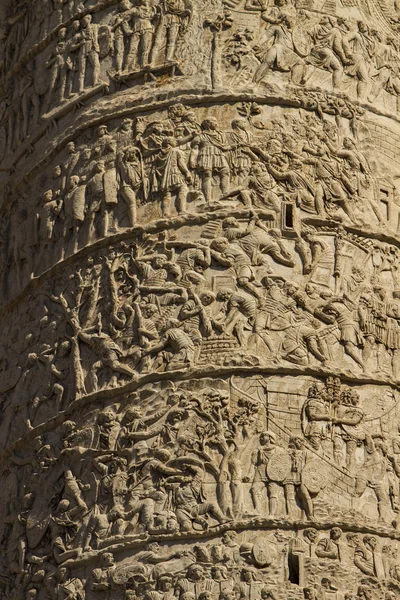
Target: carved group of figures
301, 167
177, 463
305, 44
138, 37
144, 37
228, 298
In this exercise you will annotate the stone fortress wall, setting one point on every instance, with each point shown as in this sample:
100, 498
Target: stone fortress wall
200, 300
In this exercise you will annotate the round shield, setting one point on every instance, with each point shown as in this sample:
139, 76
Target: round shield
279, 466
315, 476
301, 42
262, 553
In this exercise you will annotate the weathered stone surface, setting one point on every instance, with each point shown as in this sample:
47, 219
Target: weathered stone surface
200, 300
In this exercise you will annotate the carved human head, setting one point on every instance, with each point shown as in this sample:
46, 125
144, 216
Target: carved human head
125, 5
310, 534
229, 537
239, 124
102, 130
73, 182
107, 559
353, 540
309, 593
48, 196
87, 19
64, 505
267, 594
70, 147
165, 582
217, 552
336, 533
148, 310
230, 222
86, 154
258, 167
370, 541
67, 428
32, 358
64, 348
267, 438
27, 501
162, 454
209, 124
247, 575
296, 442
57, 171
207, 595
168, 142
159, 261
62, 575
274, 147
227, 595
126, 124
219, 244
153, 547
219, 571
364, 592
106, 416
177, 111
207, 298
99, 166
76, 25
176, 416
195, 572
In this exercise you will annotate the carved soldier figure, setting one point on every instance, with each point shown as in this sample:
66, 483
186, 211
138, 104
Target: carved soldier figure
331, 547
130, 176
141, 40
175, 16
60, 66
122, 31
208, 157
102, 582
171, 176
68, 588
317, 411
87, 46
262, 486
107, 352
74, 208
47, 216
189, 506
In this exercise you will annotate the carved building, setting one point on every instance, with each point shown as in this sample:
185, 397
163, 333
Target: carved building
200, 299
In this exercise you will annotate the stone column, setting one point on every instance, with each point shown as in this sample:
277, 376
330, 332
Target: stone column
200, 300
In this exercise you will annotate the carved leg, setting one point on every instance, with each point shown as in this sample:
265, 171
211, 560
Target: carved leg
146, 41
172, 37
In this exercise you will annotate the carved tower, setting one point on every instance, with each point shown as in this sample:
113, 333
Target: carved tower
200, 300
